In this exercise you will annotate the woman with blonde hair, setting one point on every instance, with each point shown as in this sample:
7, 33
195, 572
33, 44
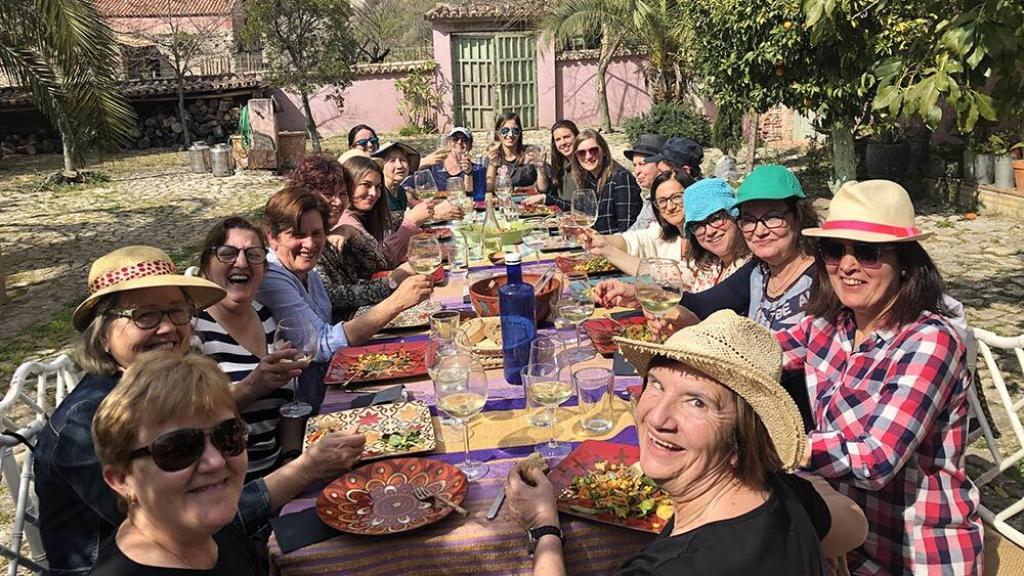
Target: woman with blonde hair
172, 446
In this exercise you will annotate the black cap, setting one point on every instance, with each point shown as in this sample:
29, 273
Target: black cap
679, 152
646, 145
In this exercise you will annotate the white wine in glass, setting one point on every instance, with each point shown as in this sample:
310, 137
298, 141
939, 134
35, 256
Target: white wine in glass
298, 333
583, 209
460, 386
659, 285
426, 187
544, 385
576, 304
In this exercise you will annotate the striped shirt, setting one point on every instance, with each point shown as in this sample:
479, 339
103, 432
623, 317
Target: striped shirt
237, 362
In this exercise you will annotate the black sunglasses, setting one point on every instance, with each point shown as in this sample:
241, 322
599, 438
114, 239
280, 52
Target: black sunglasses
228, 254
373, 141
513, 131
180, 449
867, 255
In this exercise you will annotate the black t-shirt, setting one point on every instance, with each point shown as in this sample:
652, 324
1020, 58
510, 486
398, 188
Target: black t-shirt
236, 555
781, 536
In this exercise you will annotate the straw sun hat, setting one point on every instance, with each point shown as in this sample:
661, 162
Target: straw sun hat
135, 267
870, 211
743, 356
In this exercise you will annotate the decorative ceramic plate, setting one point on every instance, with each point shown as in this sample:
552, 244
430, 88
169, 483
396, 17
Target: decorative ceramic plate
376, 363
593, 460
591, 265
602, 330
378, 498
416, 317
391, 429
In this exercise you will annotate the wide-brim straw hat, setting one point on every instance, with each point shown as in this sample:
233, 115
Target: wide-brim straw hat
870, 211
136, 267
743, 356
411, 155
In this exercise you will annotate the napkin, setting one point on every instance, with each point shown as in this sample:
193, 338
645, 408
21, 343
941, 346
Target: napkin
300, 529
392, 394
621, 366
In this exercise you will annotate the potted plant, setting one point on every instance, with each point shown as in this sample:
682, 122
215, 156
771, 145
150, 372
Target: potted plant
1017, 154
888, 154
984, 159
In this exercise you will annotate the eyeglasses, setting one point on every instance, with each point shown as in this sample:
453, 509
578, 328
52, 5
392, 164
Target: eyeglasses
513, 131
372, 142
717, 221
588, 152
771, 221
149, 318
228, 254
867, 255
663, 203
182, 448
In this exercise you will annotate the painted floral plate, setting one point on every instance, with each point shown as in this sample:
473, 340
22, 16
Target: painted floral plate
376, 363
593, 266
394, 429
378, 498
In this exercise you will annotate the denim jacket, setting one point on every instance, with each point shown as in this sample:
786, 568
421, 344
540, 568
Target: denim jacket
77, 510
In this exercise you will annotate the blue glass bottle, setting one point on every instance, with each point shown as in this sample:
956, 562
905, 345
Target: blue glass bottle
518, 319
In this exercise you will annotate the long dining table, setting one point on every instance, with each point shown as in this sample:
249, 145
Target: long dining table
501, 435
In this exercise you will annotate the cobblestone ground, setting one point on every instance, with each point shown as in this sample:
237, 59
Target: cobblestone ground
48, 240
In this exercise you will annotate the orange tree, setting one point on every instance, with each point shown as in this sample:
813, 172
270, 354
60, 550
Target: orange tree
848, 61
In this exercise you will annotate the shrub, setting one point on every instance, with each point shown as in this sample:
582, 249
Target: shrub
727, 131
670, 119
411, 130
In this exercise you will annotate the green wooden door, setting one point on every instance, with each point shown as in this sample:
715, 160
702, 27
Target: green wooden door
493, 73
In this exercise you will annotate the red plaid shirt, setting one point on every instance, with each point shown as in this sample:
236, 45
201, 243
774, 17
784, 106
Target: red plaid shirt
890, 433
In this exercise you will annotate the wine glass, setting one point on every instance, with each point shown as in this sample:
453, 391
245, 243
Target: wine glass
457, 195
460, 385
298, 333
546, 386
438, 348
426, 187
535, 240
425, 255
533, 154
576, 304
583, 209
503, 187
659, 285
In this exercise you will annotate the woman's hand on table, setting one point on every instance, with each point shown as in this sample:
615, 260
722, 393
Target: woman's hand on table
333, 454
410, 292
534, 200
532, 506
615, 293
447, 211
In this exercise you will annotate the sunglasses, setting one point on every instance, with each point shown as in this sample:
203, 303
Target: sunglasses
228, 254
513, 131
180, 449
149, 318
364, 142
867, 255
588, 152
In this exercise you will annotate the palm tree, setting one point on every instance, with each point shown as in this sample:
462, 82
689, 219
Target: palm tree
66, 56
657, 24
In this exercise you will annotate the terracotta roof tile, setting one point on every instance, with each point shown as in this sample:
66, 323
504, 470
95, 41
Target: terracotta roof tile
141, 8
487, 10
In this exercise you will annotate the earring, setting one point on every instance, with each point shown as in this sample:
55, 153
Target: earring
903, 273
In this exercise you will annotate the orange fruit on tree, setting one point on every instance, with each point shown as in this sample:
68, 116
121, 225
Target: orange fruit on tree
788, 24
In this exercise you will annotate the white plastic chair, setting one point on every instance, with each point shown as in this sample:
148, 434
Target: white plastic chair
986, 342
19, 477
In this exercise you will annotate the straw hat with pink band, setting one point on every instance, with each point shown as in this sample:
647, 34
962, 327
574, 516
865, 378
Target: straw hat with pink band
875, 211
136, 267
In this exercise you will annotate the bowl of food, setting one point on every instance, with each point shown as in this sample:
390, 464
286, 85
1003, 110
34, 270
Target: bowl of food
483, 293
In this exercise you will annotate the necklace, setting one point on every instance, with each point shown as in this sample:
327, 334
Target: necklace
782, 282
157, 542
704, 509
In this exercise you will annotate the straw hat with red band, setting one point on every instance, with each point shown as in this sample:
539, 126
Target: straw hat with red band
135, 267
870, 211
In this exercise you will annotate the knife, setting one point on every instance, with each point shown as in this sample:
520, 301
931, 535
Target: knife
492, 512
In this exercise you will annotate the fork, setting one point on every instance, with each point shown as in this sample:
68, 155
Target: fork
423, 495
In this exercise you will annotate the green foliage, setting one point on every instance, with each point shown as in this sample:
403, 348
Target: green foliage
931, 53
727, 130
421, 100
66, 56
308, 45
411, 130
382, 25
670, 119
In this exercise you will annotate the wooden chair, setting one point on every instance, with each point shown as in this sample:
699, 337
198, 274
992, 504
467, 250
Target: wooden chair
986, 342
56, 379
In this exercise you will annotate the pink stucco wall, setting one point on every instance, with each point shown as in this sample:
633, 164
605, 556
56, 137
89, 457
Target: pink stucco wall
547, 83
576, 93
444, 75
369, 100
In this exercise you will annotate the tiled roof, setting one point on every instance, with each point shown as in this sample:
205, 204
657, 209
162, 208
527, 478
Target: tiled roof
142, 8
15, 97
487, 10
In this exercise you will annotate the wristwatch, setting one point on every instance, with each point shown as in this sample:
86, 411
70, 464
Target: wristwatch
535, 534
392, 285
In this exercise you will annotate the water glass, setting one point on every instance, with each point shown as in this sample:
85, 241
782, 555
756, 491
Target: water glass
445, 324
595, 387
542, 351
